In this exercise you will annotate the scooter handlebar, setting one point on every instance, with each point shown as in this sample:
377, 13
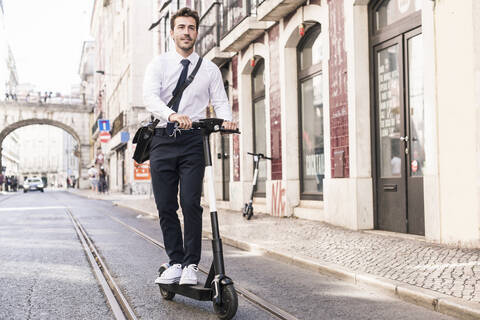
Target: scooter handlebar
229, 131
211, 125
260, 155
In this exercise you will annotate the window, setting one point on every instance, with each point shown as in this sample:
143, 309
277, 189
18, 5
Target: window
312, 153
390, 11
259, 123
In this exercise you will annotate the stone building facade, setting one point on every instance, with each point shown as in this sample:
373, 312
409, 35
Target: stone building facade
368, 108
123, 48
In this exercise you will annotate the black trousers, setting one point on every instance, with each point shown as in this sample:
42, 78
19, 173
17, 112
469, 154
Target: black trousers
173, 161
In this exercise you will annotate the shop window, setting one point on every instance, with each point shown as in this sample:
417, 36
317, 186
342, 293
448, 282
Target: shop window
310, 78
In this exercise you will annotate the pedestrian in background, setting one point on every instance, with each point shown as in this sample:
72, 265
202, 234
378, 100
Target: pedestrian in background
102, 181
14, 183
7, 184
2, 178
93, 176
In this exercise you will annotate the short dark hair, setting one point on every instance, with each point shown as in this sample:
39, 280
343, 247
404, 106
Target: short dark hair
185, 12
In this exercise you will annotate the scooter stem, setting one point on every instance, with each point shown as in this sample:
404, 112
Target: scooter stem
216, 241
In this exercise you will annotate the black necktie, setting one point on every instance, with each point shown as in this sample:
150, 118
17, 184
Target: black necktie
181, 80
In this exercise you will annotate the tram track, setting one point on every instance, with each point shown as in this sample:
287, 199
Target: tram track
243, 292
120, 306
118, 303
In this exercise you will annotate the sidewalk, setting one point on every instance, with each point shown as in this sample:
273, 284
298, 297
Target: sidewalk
438, 277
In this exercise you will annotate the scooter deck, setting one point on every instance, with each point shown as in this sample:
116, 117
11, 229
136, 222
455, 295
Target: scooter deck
198, 292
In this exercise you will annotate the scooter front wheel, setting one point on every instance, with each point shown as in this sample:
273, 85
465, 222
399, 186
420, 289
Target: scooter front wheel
167, 295
227, 309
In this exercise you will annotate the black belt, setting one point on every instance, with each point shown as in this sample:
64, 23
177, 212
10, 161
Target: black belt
163, 131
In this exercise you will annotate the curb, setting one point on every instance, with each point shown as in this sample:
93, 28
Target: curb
435, 301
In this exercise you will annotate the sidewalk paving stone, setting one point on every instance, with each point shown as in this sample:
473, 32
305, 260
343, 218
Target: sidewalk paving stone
444, 278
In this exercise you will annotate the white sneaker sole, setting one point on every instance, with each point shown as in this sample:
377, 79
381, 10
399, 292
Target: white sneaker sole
188, 282
167, 281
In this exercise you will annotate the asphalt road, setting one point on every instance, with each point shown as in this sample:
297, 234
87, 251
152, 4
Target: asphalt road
44, 272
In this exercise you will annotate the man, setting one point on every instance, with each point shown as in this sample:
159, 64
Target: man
179, 158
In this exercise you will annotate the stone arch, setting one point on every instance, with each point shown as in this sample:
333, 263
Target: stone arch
27, 122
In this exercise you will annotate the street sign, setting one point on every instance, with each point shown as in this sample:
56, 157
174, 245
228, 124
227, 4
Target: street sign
103, 125
104, 136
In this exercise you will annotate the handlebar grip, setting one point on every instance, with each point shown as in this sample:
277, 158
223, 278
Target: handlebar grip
229, 131
252, 154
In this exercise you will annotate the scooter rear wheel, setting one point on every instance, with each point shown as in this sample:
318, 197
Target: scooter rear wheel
249, 213
167, 295
227, 309
245, 210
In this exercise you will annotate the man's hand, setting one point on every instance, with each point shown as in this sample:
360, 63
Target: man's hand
183, 121
229, 125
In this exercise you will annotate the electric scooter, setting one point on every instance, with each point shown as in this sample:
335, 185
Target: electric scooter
248, 208
218, 288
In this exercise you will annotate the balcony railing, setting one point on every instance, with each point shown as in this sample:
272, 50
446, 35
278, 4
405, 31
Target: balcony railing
234, 11
209, 30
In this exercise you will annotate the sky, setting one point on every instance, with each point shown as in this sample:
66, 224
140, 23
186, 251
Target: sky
46, 38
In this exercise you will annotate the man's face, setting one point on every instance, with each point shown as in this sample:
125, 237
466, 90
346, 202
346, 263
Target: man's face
184, 33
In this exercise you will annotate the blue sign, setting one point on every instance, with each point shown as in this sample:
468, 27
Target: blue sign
104, 125
124, 136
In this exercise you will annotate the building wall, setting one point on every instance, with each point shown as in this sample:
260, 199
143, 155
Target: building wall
124, 50
452, 118
11, 155
457, 112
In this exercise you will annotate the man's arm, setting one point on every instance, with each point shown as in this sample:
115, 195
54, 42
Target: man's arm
152, 84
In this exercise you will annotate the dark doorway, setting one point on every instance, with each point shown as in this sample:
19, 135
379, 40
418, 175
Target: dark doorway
397, 63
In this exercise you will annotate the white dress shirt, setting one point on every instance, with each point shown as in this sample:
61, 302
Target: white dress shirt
161, 77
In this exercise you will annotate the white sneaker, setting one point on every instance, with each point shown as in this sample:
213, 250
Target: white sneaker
171, 275
189, 275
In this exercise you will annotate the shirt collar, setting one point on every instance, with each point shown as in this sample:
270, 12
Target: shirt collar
193, 57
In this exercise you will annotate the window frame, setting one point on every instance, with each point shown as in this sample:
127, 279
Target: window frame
303, 76
256, 98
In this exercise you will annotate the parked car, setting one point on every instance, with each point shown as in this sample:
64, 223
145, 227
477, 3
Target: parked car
33, 184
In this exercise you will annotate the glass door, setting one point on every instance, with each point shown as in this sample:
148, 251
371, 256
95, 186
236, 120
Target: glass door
391, 137
416, 131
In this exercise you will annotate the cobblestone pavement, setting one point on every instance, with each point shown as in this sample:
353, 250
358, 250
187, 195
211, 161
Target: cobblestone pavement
443, 269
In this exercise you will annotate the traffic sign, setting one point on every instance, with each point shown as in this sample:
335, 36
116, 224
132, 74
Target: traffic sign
104, 125
104, 136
